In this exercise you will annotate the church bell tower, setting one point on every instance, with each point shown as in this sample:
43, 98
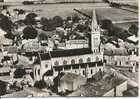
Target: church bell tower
95, 34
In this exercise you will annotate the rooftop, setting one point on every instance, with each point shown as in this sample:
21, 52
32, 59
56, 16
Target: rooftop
98, 88
12, 50
70, 77
64, 53
118, 51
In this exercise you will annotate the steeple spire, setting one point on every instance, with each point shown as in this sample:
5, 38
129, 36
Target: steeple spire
95, 33
94, 21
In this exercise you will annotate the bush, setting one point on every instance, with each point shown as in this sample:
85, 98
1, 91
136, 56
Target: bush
75, 18
6, 24
58, 21
40, 84
27, 2
133, 29
29, 33
19, 73
30, 19
2, 88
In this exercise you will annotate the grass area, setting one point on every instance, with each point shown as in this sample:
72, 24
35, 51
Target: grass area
115, 14
50, 10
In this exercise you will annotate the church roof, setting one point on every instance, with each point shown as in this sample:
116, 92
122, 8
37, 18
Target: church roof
64, 53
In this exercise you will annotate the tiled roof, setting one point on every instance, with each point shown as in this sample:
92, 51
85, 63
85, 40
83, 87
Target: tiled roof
12, 50
114, 52
98, 88
70, 77
63, 53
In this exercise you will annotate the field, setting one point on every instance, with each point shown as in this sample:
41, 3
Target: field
63, 10
115, 14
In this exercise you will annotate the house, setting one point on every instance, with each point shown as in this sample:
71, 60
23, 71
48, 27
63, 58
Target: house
5, 71
73, 44
70, 82
132, 92
83, 61
133, 39
108, 86
121, 58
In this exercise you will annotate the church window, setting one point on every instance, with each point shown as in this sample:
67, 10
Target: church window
120, 63
72, 61
88, 59
91, 71
64, 62
67, 67
39, 72
56, 63
35, 71
75, 67
46, 65
83, 72
80, 60
97, 58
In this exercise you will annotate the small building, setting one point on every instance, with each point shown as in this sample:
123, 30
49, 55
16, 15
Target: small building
73, 44
108, 86
132, 92
133, 39
70, 82
5, 71
121, 58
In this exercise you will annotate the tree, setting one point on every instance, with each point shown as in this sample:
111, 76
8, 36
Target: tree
19, 73
68, 18
28, 2
7, 25
133, 29
50, 27
44, 21
40, 84
2, 88
81, 27
29, 33
30, 19
106, 24
58, 21
106, 1
75, 18
43, 36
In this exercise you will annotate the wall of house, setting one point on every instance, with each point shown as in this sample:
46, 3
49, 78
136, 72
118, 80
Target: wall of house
121, 88
64, 85
110, 93
61, 61
72, 44
84, 58
118, 60
78, 82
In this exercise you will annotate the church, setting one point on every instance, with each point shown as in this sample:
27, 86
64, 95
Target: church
82, 61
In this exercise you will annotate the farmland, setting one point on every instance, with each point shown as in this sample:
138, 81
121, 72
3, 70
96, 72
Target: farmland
63, 10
